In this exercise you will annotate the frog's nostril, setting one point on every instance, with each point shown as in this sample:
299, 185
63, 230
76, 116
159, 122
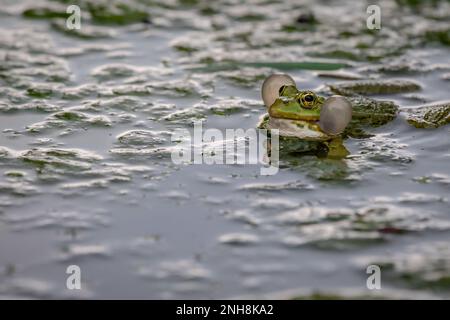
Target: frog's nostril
335, 115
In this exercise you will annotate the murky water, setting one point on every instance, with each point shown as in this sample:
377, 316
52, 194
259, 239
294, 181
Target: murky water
86, 176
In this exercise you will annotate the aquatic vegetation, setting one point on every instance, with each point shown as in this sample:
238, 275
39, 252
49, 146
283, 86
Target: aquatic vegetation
382, 149
63, 119
107, 12
50, 11
199, 111
429, 116
116, 12
36, 106
69, 159
80, 92
142, 137
374, 87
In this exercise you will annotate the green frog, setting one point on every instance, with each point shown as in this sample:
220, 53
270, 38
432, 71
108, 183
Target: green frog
309, 123
305, 120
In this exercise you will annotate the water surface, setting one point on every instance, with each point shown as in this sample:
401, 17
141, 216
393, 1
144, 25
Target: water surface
81, 116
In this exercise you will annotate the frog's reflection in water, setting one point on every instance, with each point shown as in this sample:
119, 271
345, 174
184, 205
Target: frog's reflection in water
322, 160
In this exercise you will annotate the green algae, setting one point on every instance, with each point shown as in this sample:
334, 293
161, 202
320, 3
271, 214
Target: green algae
39, 92
114, 71
429, 116
142, 137
442, 36
226, 112
116, 12
67, 158
69, 116
371, 112
367, 113
32, 106
46, 12
69, 121
104, 12
15, 174
369, 87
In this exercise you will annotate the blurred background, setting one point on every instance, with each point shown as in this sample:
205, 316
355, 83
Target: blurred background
86, 176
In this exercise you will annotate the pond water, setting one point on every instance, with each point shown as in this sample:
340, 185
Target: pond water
86, 176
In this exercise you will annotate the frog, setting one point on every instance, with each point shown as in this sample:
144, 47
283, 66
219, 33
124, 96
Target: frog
305, 120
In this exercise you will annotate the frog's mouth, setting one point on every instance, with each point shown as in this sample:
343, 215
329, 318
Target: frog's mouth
303, 129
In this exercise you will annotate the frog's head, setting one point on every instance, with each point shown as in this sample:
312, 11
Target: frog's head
285, 101
296, 105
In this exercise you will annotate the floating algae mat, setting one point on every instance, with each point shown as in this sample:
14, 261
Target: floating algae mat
87, 125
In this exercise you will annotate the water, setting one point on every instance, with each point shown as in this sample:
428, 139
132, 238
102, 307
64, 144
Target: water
140, 226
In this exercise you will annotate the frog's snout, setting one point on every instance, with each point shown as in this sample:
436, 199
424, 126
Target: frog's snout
335, 115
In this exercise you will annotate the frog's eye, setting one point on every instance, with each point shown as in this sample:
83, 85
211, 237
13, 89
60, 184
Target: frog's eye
335, 115
273, 86
307, 99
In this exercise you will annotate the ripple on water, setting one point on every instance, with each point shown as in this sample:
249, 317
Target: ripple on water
341, 228
179, 269
119, 71
76, 252
238, 239
421, 266
143, 137
26, 288
55, 219
69, 122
